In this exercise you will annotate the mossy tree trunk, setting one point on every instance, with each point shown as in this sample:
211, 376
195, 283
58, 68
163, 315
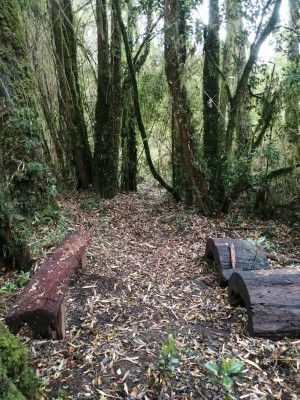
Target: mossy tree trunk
292, 107
128, 132
108, 106
129, 145
174, 66
211, 110
181, 181
224, 143
180, 176
43, 62
129, 135
136, 102
75, 138
233, 63
24, 181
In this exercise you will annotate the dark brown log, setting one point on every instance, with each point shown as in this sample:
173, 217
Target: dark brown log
40, 304
246, 257
272, 299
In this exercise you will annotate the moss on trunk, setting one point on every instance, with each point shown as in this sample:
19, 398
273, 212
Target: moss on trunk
24, 180
18, 381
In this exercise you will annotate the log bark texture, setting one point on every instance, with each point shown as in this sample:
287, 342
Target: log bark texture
40, 304
246, 257
272, 299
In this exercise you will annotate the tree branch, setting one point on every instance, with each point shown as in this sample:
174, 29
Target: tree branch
242, 83
277, 173
240, 187
139, 59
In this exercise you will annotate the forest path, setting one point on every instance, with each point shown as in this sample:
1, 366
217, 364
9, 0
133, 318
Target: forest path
145, 280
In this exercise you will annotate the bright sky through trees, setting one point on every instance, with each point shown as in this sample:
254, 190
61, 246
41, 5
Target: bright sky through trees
267, 51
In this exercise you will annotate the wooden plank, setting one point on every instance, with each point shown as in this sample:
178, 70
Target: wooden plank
225, 253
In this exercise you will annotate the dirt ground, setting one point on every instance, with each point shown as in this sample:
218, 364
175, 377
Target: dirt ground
145, 280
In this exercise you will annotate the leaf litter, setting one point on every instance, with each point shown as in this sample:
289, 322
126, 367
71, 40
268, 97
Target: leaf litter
145, 280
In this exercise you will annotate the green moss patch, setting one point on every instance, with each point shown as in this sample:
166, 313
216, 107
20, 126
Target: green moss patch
18, 381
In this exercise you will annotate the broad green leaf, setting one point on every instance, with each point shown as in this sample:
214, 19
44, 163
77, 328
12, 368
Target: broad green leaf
235, 368
227, 383
171, 367
212, 367
174, 360
172, 341
162, 362
165, 350
225, 364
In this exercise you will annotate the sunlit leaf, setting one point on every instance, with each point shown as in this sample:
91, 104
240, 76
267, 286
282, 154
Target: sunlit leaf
261, 240
212, 367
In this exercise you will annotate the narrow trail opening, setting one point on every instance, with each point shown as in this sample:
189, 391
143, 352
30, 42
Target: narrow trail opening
145, 280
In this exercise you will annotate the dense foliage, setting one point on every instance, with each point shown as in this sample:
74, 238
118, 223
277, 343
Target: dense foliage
194, 103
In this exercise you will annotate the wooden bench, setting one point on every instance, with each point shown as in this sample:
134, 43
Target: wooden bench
231, 255
41, 302
272, 299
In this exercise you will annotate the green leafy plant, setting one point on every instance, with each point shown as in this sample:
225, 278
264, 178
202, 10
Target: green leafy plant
169, 358
9, 288
20, 280
258, 241
62, 394
222, 374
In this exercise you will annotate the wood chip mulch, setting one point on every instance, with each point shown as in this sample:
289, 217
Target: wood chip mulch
146, 279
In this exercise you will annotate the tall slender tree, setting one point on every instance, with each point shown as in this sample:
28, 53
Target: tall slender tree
108, 106
75, 136
211, 110
136, 102
233, 62
129, 135
182, 124
292, 107
181, 179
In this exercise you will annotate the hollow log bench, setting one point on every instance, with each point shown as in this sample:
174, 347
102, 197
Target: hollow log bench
272, 299
231, 255
41, 303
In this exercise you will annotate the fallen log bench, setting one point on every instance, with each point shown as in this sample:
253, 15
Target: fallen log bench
272, 299
41, 302
230, 255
